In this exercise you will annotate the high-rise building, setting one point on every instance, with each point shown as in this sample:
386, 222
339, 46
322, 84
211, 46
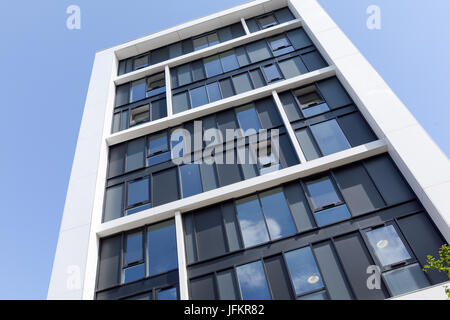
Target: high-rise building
344, 199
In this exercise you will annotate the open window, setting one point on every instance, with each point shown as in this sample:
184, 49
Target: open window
311, 102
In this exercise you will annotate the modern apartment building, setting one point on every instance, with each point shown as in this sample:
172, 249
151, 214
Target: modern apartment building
355, 201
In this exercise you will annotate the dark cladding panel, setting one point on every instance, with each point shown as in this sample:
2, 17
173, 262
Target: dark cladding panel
165, 187
278, 278
109, 262
203, 288
356, 129
333, 93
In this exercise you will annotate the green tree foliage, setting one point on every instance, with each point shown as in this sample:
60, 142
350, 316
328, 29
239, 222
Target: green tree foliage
442, 264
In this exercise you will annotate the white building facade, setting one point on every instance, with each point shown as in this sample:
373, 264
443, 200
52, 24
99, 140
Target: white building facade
357, 175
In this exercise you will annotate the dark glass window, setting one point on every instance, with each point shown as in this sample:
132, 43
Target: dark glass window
158, 149
138, 90
190, 179
311, 102
156, 84
229, 61
168, 294
162, 248
241, 56
330, 137
227, 285
248, 119
304, 272
141, 62
212, 66
113, 203
184, 74
134, 250
213, 92
138, 195
251, 220
198, 96
406, 279
139, 115
253, 282
242, 83
134, 273
267, 21
135, 154
181, 102
206, 41
272, 73
258, 51
257, 78
292, 67
280, 45
226, 87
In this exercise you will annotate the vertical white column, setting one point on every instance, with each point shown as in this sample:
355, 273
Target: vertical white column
168, 91
182, 265
244, 25
288, 126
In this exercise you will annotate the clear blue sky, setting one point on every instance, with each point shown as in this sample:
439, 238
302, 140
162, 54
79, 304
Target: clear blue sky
46, 70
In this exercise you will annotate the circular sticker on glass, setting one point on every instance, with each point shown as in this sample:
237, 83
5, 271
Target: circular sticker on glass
382, 244
313, 279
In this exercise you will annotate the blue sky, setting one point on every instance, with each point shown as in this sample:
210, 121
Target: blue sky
47, 74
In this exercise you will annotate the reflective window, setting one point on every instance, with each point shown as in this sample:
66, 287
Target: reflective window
113, 202
134, 249
257, 78
184, 74
168, 294
311, 102
272, 73
158, 149
200, 43
253, 282
330, 137
135, 154
292, 67
267, 21
322, 192
229, 61
248, 119
228, 289
162, 248
332, 215
138, 192
258, 51
139, 115
156, 84
190, 179
280, 45
212, 66
198, 96
242, 83
304, 272
387, 245
213, 92
406, 279
134, 273
277, 213
140, 62
251, 220
138, 90
321, 295
241, 56
181, 102
175, 50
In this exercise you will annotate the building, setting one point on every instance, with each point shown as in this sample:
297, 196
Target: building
359, 192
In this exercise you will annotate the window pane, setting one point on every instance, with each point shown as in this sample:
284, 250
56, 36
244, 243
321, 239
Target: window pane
248, 119
138, 90
228, 289
267, 21
332, 215
212, 66
229, 61
181, 102
200, 43
190, 180
168, 294
252, 223
213, 39
330, 137
198, 96
139, 115
134, 273
241, 56
209, 177
162, 248
184, 74
307, 144
292, 67
138, 191
310, 101
158, 143
272, 73
113, 203
175, 50
278, 216
258, 51
257, 78
242, 83
156, 84
322, 192
387, 245
213, 92
116, 122
135, 154
280, 45
190, 244
303, 269
140, 62
321, 295
226, 87
253, 282
283, 15
405, 279
124, 120
134, 248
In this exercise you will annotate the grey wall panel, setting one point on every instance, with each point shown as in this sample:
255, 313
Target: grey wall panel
290, 106
268, 113
358, 190
228, 174
388, 180
332, 272
231, 226
356, 129
237, 30
203, 288
109, 262
288, 156
314, 61
299, 207
333, 93
355, 259
122, 94
278, 278
114, 200
116, 160
210, 233
299, 38
166, 187
226, 120
424, 240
